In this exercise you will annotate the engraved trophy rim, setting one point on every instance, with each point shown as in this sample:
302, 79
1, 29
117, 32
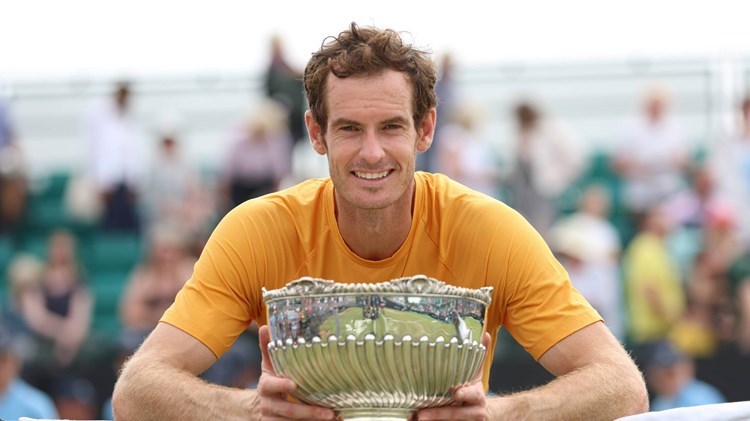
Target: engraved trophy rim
423, 285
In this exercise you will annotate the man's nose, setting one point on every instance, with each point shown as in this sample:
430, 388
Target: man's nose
372, 148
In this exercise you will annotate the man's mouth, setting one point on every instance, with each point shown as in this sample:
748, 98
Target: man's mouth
371, 175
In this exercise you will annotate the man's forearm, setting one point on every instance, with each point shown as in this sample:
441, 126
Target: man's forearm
149, 390
596, 392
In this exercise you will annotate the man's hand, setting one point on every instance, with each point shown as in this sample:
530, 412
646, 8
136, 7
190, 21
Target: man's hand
273, 391
470, 400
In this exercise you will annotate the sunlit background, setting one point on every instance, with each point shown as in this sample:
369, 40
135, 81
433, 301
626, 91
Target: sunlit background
197, 69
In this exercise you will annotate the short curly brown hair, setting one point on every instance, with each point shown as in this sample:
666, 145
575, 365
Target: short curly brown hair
363, 51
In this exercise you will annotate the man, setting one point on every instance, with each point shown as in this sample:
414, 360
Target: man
372, 108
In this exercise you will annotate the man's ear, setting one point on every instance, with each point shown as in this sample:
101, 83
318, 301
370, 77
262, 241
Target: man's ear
316, 134
426, 130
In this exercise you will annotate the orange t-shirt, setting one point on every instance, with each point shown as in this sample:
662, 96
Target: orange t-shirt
458, 236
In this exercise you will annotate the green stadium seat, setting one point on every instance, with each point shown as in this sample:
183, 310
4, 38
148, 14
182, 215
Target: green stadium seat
6, 250
107, 287
53, 186
35, 244
45, 215
107, 326
112, 252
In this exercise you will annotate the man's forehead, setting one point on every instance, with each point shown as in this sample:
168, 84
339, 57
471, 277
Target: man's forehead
382, 91
391, 79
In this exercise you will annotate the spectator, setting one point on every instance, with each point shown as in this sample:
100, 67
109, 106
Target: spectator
283, 83
651, 157
671, 375
7, 133
589, 249
698, 213
728, 368
115, 157
18, 398
260, 156
25, 273
739, 284
13, 183
462, 154
173, 191
730, 162
58, 312
445, 88
549, 157
153, 285
655, 294
691, 206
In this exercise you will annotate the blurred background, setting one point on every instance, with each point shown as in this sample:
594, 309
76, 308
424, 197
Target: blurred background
620, 130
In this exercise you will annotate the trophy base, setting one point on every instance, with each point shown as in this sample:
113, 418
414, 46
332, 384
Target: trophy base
375, 414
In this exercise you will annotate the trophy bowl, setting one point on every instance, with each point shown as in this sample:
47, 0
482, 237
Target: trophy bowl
376, 351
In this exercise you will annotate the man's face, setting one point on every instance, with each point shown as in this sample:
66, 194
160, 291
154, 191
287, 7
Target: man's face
371, 141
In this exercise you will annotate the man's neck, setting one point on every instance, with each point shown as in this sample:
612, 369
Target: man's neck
375, 234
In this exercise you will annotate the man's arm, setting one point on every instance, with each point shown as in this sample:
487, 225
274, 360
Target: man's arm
597, 380
160, 382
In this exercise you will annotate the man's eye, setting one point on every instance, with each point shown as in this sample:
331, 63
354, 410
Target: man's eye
348, 128
392, 127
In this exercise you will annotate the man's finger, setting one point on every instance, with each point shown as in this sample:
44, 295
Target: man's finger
271, 385
264, 337
486, 340
470, 395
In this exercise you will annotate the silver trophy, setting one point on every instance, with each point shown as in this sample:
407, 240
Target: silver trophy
376, 351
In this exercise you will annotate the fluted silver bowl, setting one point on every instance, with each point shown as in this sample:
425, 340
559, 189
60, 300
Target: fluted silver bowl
376, 351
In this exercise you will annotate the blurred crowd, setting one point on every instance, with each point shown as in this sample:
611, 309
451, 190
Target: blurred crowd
654, 233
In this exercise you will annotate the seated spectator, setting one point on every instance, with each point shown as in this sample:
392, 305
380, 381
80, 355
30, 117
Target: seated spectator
738, 277
462, 154
25, 273
260, 156
18, 398
651, 157
708, 292
589, 248
729, 161
690, 207
671, 376
58, 312
698, 331
173, 190
154, 284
